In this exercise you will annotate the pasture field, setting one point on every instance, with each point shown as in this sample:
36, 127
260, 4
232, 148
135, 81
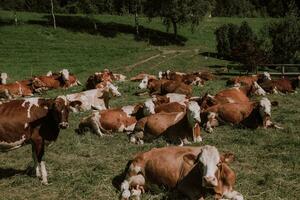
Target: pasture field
85, 167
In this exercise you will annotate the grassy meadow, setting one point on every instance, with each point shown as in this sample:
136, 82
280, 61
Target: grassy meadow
85, 167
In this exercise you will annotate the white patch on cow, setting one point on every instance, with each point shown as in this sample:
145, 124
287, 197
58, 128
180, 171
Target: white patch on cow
144, 83
267, 76
233, 195
275, 91
6, 146
121, 128
3, 77
25, 125
32, 102
210, 96
135, 169
64, 98
258, 89
113, 89
44, 173
65, 74
128, 110
193, 113
237, 86
49, 73
135, 194
160, 75
180, 73
46, 107
230, 100
174, 97
149, 107
210, 159
264, 107
197, 81
168, 72
130, 128
178, 116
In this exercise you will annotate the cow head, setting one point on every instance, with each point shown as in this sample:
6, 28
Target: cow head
264, 107
210, 160
207, 101
60, 111
144, 83
149, 107
65, 74
113, 89
3, 78
193, 113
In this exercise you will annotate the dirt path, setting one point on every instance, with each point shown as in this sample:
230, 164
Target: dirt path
162, 53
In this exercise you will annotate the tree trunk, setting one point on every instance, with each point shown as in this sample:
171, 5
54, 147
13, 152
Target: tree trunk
174, 28
53, 16
136, 17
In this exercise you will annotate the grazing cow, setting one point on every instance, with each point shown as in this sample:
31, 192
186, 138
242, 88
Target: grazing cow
165, 86
16, 89
189, 79
249, 114
195, 172
141, 76
111, 120
35, 121
176, 126
91, 99
283, 85
231, 95
3, 78
249, 80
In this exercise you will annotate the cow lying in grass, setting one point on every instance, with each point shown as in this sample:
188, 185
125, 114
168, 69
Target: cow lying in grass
177, 127
248, 114
195, 172
163, 86
249, 80
189, 79
282, 85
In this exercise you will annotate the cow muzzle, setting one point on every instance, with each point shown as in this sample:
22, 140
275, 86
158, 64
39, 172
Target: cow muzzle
63, 125
209, 181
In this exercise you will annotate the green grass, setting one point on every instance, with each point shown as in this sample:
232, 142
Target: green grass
83, 167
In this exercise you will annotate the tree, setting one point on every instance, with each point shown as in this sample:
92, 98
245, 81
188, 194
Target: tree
174, 12
52, 13
285, 37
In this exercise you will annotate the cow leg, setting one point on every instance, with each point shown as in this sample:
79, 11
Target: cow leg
196, 133
38, 153
37, 166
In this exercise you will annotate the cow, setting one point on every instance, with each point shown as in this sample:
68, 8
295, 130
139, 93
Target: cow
189, 79
111, 120
141, 76
282, 85
248, 114
195, 172
16, 89
35, 121
231, 95
165, 86
249, 80
175, 126
63, 79
3, 78
205, 75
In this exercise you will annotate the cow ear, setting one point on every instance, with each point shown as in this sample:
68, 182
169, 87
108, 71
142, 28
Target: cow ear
227, 157
190, 159
274, 103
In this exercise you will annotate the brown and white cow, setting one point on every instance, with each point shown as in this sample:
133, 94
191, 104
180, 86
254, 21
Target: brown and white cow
175, 126
63, 79
111, 120
3, 78
249, 114
35, 121
231, 95
282, 85
195, 172
165, 86
189, 79
141, 76
249, 80
16, 89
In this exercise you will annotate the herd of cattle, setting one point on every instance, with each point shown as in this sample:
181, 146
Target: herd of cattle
171, 112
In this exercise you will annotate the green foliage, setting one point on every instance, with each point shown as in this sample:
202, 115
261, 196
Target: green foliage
285, 37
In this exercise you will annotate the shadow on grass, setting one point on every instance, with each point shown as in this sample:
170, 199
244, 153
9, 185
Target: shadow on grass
9, 172
110, 29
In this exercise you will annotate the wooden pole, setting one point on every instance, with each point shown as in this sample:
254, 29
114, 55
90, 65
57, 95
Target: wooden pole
53, 16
